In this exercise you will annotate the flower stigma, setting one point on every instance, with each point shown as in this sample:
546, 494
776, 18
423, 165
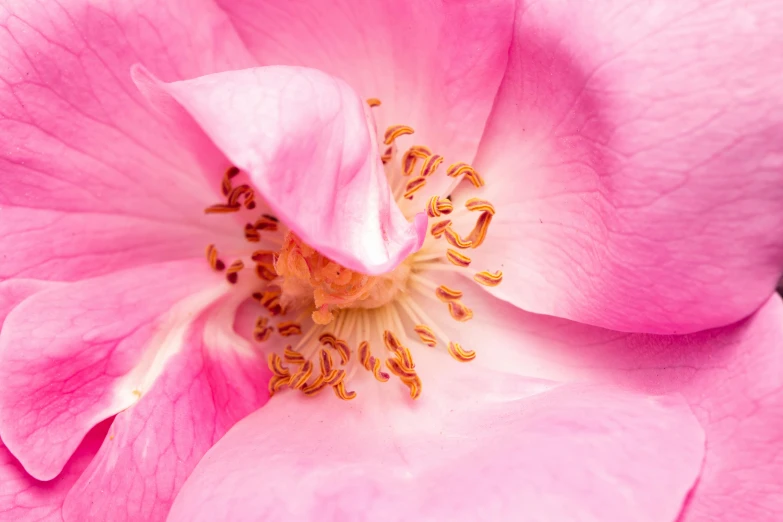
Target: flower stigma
346, 322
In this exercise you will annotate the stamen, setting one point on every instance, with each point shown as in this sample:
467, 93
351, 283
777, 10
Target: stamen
314, 388
476, 204
455, 240
293, 357
410, 157
487, 278
276, 383
261, 332
426, 335
431, 165
459, 311
387, 155
212, 259
225, 186
439, 228
375, 367
240, 191
251, 234
398, 369
373, 102
265, 273
460, 354
276, 365
414, 186
289, 328
299, 379
233, 271
221, 208
446, 294
339, 390
460, 169
414, 385
457, 258
326, 362
394, 132
479, 232
390, 340
436, 207
364, 354
344, 351
266, 222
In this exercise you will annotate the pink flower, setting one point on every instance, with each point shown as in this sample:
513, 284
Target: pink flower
622, 166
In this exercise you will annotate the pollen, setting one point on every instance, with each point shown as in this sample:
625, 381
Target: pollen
322, 325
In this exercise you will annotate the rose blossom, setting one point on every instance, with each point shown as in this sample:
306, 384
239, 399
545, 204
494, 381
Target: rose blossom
619, 166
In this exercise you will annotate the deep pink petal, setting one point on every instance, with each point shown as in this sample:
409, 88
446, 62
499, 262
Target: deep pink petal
732, 377
497, 447
82, 158
306, 140
634, 156
72, 356
24, 499
435, 66
152, 447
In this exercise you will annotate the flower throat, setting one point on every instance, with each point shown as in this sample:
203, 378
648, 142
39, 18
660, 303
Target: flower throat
356, 322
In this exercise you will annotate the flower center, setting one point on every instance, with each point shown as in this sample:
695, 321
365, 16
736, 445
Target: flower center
348, 322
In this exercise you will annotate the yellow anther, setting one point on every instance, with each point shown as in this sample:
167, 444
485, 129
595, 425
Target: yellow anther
475, 178
233, 270
457, 258
292, 356
364, 354
344, 351
405, 358
390, 340
430, 165
327, 339
426, 335
460, 312
262, 334
411, 155
299, 379
439, 228
339, 390
460, 354
276, 365
414, 385
414, 186
375, 366
387, 155
479, 232
314, 388
394, 132
221, 208
476, 204
289, 328
334, 377
212, 259
437, 206
373, 102
446, 294
458, 169
487, 278
398, 369
276, 383
455, 240
326, 362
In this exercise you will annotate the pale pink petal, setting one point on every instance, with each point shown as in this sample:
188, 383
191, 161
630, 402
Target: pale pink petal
435, 66
81, 155
482, 447
24, 499
152, 447
72, 355
305, 139
634, 157
14, 292
732, 378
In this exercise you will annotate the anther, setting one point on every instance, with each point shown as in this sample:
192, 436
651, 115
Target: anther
426, 335
238, 192
394, 132
479, 232
375, 367
373, 102
398, 369
327, 339
487, 278
364, 354
459, 311
436, 207
276, 383
266, 222
225, 185
439, 228
410, 157
431, 165
264, 272
460, 354
212, 259
289, 328
456, 258
455, 240
339, 390
299, 379
387, 155
414, 186
266, 257
344, 351
292, 356
261, 332
335, 377
317, 385
414, 385
276, 365
326, 362
251, 234
446, 294
221, 208
390, 340
476, 204
233, 270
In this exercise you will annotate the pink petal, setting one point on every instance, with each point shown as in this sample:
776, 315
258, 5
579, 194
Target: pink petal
83, 158
435, 66
24, 499
481, 447
153, 446
305, 140
72, 355
14, 292
634, 158
732, 378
